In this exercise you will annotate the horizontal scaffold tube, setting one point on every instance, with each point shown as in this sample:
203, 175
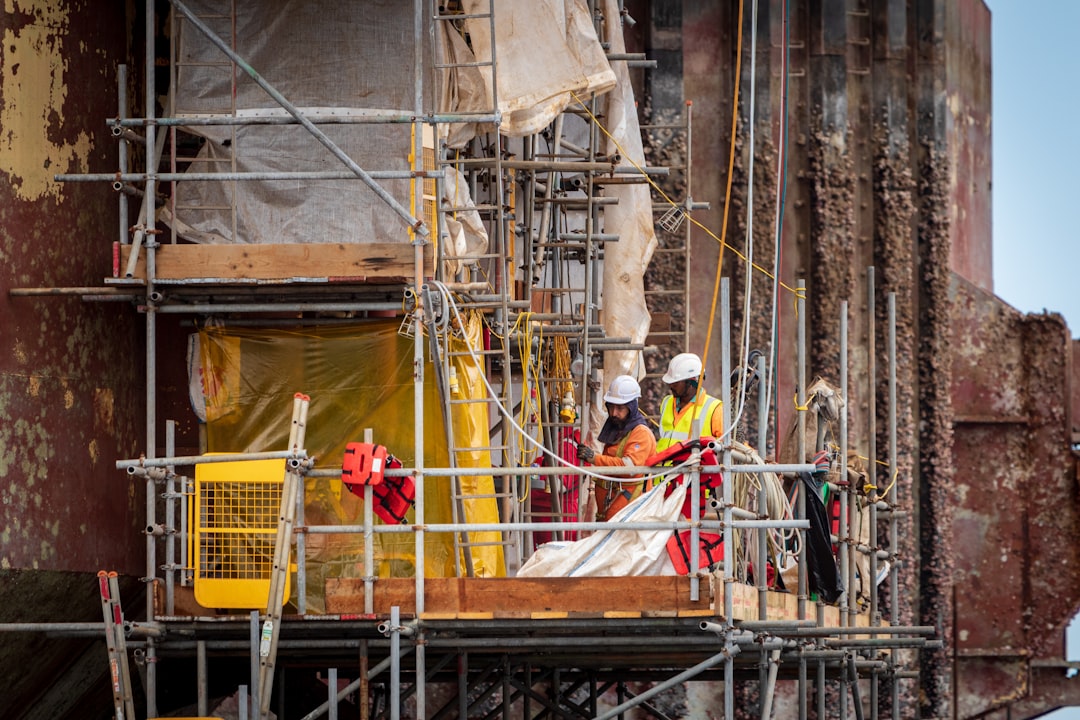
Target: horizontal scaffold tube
554, 526
627, 470
238, 176
203, 459
336, 116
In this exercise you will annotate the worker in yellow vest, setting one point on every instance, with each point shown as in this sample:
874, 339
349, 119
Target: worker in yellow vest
627, 441
687, 402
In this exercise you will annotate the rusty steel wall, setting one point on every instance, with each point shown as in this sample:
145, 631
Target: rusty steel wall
889, 165
1016, 519
71, 380
969, 102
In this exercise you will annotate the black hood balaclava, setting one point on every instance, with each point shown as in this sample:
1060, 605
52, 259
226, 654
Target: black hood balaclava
614, 430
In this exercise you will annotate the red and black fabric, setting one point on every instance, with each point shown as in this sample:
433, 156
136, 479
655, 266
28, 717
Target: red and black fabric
711, 550
711, 484
395, 497
822, 572
671, 455
834, 517
770, 575
392, 497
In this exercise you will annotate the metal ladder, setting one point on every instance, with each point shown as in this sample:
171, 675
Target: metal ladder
485, 287
279, 579
119, 672
220, 164
672, 219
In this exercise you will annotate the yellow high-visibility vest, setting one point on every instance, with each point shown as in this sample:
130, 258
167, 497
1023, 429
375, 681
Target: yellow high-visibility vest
672, 433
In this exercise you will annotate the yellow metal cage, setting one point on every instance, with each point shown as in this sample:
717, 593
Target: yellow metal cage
236, 511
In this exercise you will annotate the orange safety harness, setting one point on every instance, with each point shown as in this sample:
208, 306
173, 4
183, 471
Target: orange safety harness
365, 464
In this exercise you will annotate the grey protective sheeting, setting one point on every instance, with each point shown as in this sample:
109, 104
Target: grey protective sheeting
335, 60
327, 58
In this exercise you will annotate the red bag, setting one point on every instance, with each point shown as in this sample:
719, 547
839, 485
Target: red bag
365, 464
711, 553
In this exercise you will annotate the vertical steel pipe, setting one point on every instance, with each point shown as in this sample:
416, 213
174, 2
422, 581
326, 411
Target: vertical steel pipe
254, 634
331, 687
151, 355
463, 685
201, 679
894, 538
761, 574
170, 519
122, 151
847, 497
800, 511
395, 663
419, 240
728, 493
369, 538
871, 375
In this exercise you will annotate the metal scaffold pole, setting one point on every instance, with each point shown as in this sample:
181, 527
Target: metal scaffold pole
419, 240
151, 349
728, 498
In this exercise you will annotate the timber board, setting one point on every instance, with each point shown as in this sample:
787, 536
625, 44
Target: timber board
525, 597
281, 263
555, 598
544, 599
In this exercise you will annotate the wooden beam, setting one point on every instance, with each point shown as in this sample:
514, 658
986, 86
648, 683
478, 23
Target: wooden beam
295, 262
525, 597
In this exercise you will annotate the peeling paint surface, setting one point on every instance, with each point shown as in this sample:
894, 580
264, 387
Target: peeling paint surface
1017, 499
35, 63
71, 396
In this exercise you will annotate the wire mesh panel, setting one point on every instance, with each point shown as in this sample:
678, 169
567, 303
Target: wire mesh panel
237, 506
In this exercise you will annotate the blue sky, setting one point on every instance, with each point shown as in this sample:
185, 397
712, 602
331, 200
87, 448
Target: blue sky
1036, 150
1035, 155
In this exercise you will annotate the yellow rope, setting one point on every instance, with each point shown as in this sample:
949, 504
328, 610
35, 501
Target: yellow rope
671, 202
727, 192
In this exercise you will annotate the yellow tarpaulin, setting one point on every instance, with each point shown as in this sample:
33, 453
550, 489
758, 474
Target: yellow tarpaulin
358, 376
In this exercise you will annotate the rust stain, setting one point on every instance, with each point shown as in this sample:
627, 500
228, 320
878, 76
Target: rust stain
104, 407
34, 66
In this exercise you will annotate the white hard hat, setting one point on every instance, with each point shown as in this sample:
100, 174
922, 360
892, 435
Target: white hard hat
682, 367
622, 390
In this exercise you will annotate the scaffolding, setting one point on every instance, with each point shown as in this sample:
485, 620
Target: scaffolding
505, 646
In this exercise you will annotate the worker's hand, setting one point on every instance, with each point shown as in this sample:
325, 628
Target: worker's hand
586, 453
821, 462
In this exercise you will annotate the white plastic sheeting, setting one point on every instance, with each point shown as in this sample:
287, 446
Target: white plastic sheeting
625, 313
547, 51
612, 553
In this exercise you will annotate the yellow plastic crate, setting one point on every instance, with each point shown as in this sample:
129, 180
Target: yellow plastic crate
237, 506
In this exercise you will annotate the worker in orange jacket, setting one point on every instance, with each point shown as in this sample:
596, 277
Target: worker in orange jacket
627, 440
